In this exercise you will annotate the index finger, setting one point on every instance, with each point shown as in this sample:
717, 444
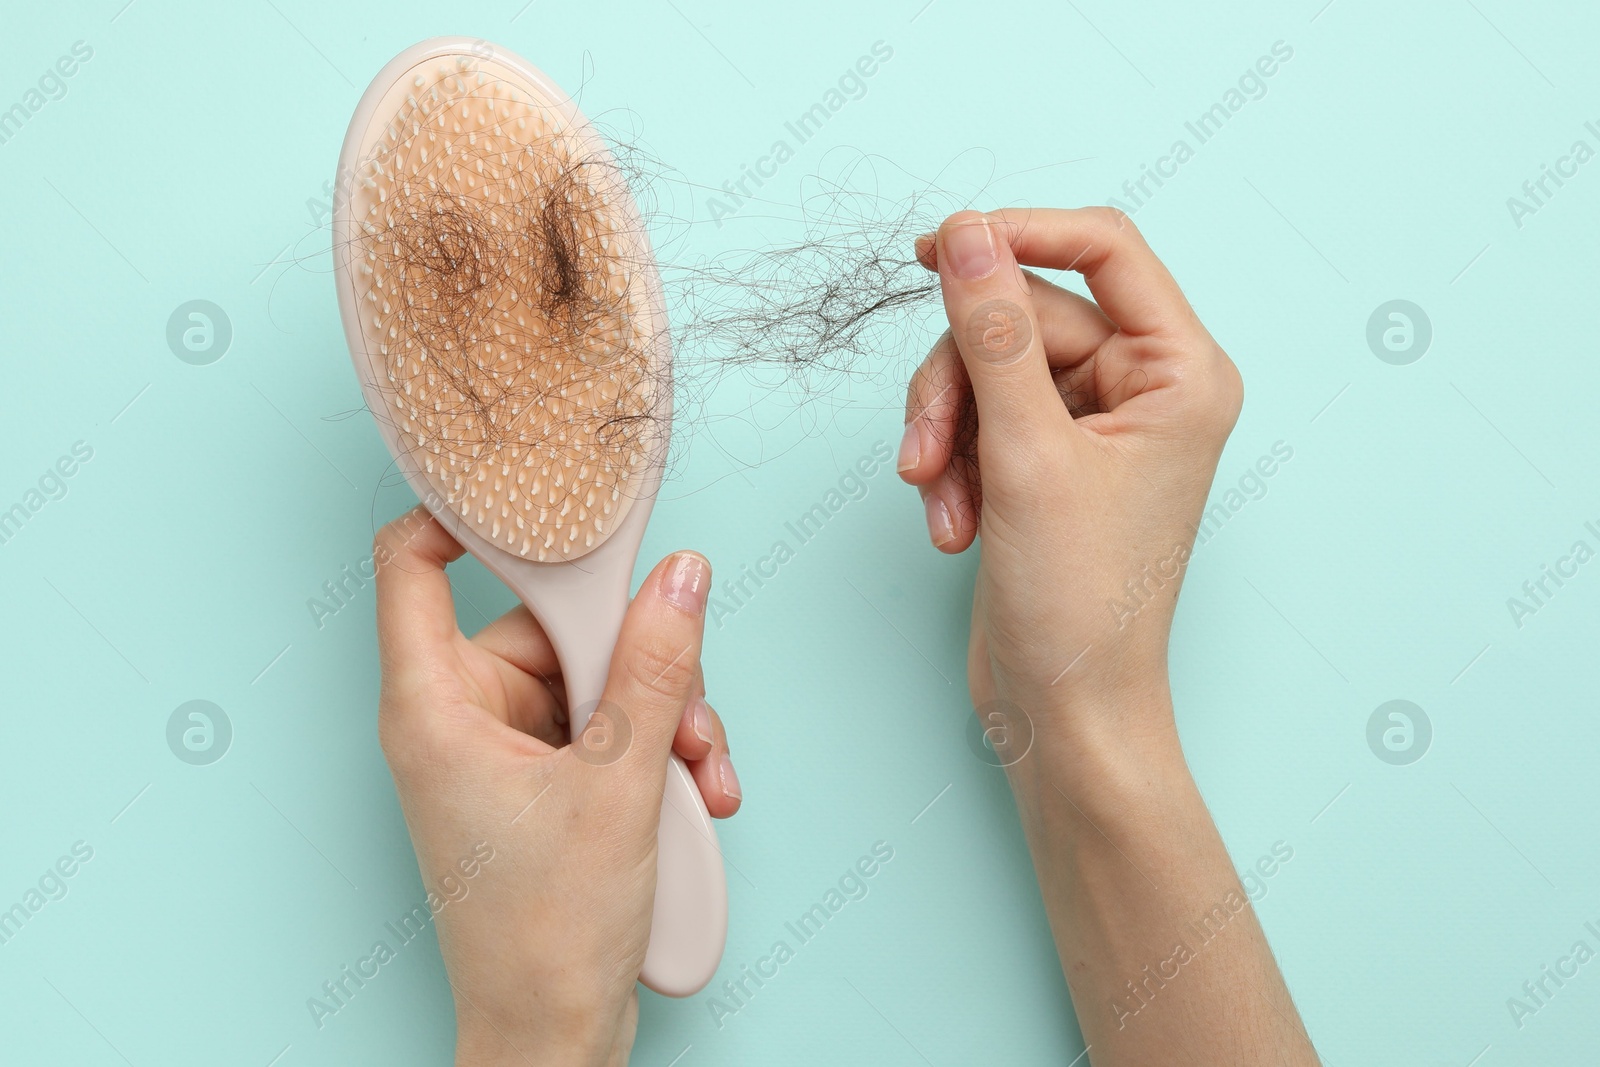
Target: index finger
1131, 285
416, 610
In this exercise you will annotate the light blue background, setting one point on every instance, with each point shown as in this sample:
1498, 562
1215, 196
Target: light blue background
179, 165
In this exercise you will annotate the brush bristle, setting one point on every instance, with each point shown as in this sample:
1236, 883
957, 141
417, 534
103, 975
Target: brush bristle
502, 299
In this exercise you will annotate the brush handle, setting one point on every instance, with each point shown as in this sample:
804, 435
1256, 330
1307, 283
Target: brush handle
689, 925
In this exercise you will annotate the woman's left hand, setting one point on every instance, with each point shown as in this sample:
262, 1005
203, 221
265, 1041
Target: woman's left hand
540, 863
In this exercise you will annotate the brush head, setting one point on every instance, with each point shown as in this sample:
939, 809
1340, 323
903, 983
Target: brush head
510, 320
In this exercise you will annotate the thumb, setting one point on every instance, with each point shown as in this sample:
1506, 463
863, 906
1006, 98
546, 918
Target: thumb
653, 674
996, 330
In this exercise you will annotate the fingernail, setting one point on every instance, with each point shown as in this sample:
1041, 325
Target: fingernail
686, 583
969, 248
700, 719
924, 244
910, 447
940, 527
730, 780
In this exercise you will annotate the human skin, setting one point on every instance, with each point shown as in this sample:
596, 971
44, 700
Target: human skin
1099, 427
544, 949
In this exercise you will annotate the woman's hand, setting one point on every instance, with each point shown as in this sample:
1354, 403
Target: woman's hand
1098, 430
539, 857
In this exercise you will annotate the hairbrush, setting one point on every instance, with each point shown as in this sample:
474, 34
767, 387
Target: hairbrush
506, 321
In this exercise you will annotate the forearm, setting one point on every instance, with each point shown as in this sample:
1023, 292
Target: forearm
1161, 948
479, 1044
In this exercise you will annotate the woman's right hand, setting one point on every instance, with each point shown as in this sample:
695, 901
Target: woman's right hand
1098, 430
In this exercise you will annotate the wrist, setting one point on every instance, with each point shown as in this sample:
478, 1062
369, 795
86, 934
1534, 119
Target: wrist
1109, 756
1101, 807
486, 1048
580, 1042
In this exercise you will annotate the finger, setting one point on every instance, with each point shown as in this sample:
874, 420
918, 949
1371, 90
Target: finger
530, 697
695, 734
939, 396
1074, 327
997, 332
714, 774
529, 705
416, 611
952, 495
1131, 285
951, 507
935, 399
936, 451
655, 666
517, 638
